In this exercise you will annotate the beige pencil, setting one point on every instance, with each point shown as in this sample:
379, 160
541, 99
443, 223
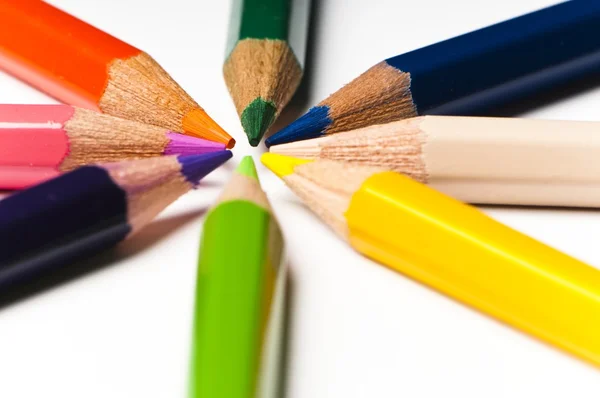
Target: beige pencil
478, 160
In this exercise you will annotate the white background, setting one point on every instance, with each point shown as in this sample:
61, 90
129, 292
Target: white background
122, 330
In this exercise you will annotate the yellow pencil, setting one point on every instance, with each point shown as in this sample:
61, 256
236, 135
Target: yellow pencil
454, 248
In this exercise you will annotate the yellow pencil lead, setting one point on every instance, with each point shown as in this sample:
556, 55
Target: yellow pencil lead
282, 165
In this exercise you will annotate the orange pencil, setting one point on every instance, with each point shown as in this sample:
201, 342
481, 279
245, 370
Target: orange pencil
86, 67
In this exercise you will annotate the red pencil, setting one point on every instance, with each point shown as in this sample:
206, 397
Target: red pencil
38, 142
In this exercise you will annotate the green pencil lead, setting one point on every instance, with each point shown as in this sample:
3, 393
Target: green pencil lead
247, 168
257, 118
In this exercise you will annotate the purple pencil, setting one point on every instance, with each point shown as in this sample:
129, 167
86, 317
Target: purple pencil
90, 209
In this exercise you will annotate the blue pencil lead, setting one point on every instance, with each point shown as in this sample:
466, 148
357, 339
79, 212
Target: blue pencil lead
310, 125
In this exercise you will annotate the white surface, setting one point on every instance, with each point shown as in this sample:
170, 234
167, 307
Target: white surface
358, 329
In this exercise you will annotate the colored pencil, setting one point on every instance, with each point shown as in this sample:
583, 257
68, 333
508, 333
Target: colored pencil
466, 76
265, 59
90, 209
83, 66
38, 142
477, 159
453, 248
240, 295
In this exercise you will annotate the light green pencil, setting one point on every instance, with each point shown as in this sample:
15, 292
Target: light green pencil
236, 348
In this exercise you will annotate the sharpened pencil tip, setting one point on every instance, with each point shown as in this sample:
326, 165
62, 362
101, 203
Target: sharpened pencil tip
281, 165
230, 144
197, 123
256, 119
180, 144
247, 168
195, 167
310, 125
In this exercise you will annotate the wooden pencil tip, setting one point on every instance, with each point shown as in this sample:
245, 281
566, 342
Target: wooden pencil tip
306, 149
281, 165
247, 168
197, 123
256, 119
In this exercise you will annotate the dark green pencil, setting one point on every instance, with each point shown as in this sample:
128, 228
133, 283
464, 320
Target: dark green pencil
265, 57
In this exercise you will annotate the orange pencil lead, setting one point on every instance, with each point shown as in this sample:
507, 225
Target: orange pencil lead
197, 122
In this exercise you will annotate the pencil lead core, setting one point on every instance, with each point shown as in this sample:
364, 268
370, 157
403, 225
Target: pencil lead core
257, 118
312, 124
281, 165
180, 144
247, 168
197, 123
196, 167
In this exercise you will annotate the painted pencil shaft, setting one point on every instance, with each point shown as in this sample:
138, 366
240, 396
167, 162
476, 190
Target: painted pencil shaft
467, 75
455, 249
239, 296
265, 59
475, 159
90, 209
38, 142
86, 67
15, 177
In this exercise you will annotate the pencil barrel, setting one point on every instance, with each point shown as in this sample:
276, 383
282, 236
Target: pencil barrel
461, 252
42, 46
513, 161
239, 265
506, 62
52, 224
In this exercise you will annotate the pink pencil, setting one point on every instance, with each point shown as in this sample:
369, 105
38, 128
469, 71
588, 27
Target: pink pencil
38, 142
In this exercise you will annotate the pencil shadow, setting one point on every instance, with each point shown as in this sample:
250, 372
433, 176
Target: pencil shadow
537, 208
299, 102
283, 381
230, 166
562, 92
146, 238
210, 184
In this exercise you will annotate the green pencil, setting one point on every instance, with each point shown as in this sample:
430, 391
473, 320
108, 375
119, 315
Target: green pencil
240, 295
265, 57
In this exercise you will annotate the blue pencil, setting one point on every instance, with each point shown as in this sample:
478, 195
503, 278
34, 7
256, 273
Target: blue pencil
467, 75
90, 209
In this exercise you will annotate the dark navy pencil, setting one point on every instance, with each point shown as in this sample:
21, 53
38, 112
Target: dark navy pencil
467, 75
90, 209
